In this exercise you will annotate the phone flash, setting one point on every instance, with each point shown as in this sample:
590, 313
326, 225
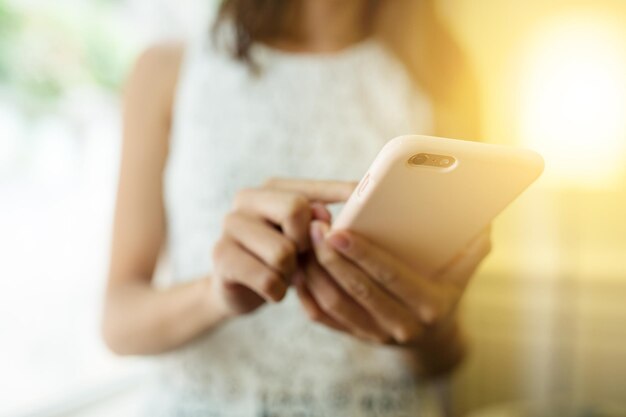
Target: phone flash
441, 161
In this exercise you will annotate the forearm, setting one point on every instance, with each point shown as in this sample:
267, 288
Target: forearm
140, 320
441, 350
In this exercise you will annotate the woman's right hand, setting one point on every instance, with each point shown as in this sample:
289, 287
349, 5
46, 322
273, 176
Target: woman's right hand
262, 236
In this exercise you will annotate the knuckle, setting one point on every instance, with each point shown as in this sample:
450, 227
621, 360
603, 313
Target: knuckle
284, 255
404, 333
434, 314
359, 289
270, 282
387, 276
332, 301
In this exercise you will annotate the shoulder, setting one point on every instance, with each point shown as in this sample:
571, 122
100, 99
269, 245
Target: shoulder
436, 60
166, 54
154, 77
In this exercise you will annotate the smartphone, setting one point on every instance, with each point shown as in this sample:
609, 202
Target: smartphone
425, 198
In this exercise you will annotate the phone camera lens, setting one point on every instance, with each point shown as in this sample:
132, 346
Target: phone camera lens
419, 159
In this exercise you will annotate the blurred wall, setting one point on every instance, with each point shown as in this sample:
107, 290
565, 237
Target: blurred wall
546, 312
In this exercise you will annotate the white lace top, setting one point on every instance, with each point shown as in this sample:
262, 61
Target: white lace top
312, 116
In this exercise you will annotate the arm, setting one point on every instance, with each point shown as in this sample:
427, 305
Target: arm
252, 259
138, 318
421, 36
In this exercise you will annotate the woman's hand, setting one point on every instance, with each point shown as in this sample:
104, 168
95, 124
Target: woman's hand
262, 236
354, 286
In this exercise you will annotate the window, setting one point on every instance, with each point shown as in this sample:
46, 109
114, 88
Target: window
61, 67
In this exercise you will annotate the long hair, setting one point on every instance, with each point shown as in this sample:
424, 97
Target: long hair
259, 20
412, 29
252, 21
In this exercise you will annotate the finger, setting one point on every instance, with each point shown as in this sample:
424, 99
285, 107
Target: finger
236, 265
461, 269
389, 313
313, 310
323, 191
420, 294
263, 241
338, 305
320, 212
292, 212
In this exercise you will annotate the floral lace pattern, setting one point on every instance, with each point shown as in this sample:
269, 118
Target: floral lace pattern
311, 116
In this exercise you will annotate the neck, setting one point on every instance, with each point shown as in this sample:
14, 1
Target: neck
324, 25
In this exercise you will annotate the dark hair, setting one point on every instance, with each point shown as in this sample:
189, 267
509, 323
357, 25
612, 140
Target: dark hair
262, 20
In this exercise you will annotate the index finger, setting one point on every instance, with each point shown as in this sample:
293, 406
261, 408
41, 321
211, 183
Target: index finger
323, 191
417, 292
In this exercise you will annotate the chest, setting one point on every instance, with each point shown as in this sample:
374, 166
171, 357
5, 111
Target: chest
232, 130
241, 130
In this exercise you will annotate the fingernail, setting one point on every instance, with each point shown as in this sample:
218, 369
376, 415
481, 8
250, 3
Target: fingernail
316, 232
340, 241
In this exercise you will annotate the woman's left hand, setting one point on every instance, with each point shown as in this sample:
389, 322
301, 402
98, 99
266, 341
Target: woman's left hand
353, 285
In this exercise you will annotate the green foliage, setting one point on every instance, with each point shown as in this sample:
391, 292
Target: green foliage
48, 50
106, 58
9, 28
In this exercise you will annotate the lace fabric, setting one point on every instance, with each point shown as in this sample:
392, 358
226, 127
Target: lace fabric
310, 116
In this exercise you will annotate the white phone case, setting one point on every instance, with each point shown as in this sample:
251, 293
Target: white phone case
426, 211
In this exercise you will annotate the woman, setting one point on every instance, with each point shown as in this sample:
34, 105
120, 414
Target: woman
283, 318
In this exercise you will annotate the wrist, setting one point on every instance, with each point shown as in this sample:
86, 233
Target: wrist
214, 308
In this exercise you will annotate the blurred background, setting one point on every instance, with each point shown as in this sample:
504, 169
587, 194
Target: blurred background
547, 312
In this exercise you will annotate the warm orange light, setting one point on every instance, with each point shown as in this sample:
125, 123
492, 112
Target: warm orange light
573, 98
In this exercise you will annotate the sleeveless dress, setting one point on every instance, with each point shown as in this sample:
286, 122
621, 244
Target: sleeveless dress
305, 115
